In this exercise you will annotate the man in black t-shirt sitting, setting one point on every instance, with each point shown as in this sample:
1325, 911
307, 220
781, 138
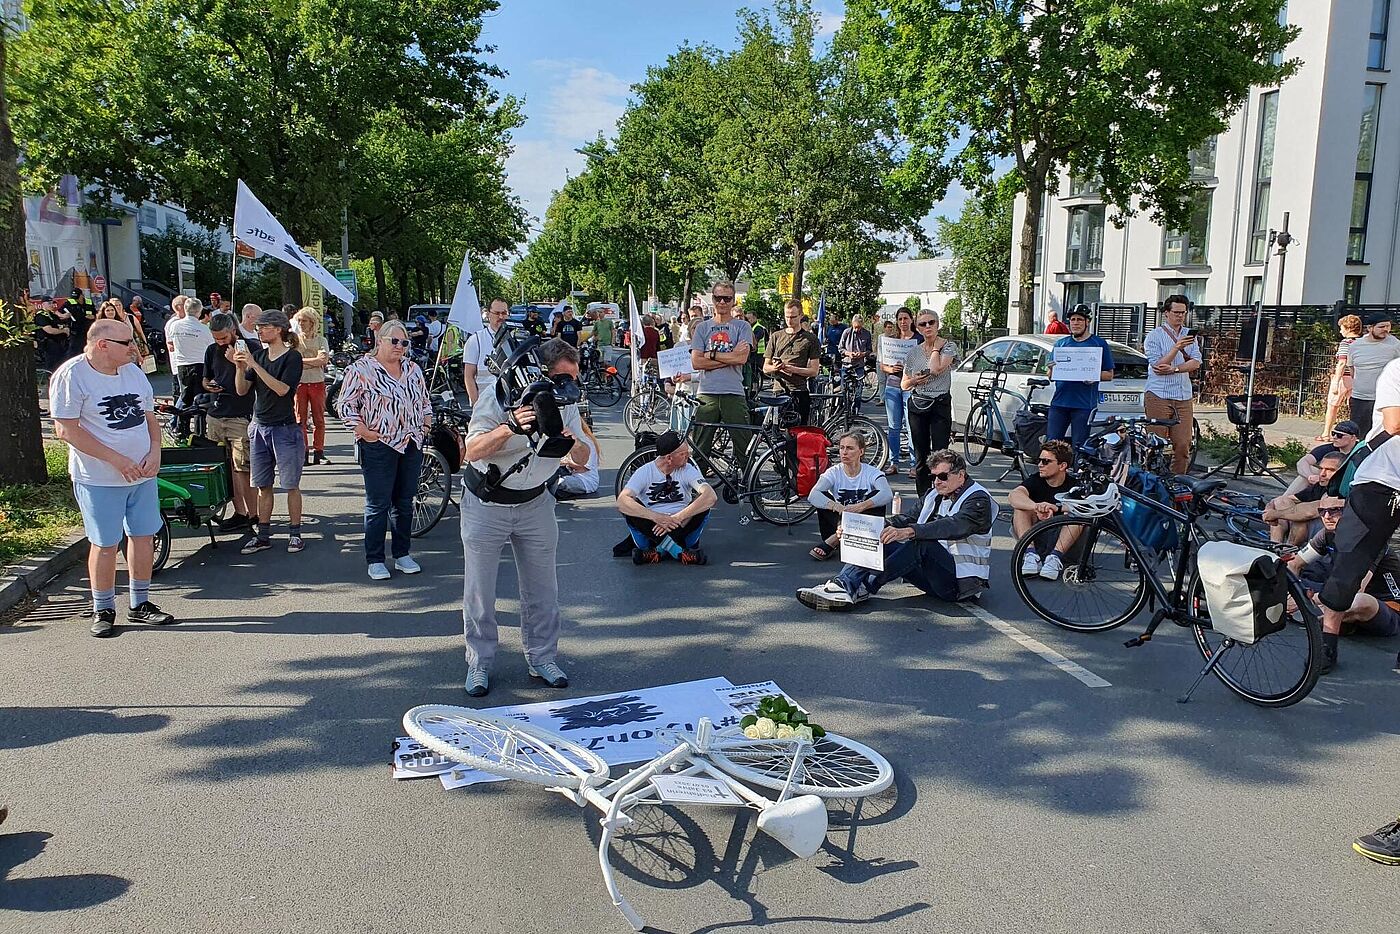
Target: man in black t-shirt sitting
1291, 517
1375, 611
1034, 500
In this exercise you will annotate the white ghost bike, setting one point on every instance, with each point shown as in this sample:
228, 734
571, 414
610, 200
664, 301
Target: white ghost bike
802, 773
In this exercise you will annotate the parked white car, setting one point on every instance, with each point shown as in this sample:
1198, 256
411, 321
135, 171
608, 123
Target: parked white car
1027, 356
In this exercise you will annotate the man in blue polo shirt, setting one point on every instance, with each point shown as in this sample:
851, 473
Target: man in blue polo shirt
1075, 401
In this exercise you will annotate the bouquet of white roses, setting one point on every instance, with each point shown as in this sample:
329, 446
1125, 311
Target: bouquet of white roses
778, 718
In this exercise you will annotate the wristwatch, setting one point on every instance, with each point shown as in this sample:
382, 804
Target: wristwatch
711, 354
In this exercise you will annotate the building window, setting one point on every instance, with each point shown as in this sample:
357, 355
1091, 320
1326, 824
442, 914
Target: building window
1085, 248
1193, 289
1040, 243
1187, 247
1081, 293
148, 217
1365, 162
1351, 290
1277, 58
1202, 160
1253, 289
1089, 186
1263, 178
1380, 30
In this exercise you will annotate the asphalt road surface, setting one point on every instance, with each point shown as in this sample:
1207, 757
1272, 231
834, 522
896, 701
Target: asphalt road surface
231, 773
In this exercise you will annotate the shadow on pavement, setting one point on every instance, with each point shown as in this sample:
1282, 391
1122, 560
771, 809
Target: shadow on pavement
38, 726
49, 893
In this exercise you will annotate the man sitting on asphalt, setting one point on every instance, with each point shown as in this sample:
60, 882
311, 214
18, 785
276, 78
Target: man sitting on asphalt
666, 504
1345, 436
1035, 500
1375, 611
1290, 516
943, 546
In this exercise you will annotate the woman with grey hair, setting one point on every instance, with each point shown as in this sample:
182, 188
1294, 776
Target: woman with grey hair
385, 402
928, 378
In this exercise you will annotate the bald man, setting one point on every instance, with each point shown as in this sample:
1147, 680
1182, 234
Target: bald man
103, 410
248, 325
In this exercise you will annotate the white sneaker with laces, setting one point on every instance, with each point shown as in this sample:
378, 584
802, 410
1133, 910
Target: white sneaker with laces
1051, 568
378, 572
478, 682
829, 596
407, 565
1030, 564
550, 673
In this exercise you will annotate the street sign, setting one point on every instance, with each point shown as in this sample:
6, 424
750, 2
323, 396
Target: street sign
346, 277
99, 285
785, 283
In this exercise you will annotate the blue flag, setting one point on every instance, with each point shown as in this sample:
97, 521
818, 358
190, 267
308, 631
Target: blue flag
821, 314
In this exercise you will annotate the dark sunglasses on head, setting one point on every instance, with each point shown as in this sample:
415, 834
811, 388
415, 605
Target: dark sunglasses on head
724, 298
1330, 510
398, 341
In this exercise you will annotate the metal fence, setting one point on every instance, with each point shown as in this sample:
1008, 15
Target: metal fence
1297, 353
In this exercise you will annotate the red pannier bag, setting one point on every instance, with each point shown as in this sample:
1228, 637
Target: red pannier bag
812, 454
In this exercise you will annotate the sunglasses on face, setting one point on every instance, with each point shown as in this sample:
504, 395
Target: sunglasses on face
1330, 511
724, 299
1340, 434
398, 342
926, 324
1047, 461
943, 476
113, 340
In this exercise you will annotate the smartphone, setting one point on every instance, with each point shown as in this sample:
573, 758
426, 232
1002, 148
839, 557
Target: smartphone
240, 345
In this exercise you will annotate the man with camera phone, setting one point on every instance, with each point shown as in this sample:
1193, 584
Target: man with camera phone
518, 434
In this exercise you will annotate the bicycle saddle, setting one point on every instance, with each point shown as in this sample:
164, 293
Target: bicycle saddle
769, 402
1201, 487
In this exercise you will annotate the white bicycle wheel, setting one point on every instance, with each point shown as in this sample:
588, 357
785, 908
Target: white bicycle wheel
504, 747
836, 767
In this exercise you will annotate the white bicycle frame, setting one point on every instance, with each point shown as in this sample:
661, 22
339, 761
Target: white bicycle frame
799, 823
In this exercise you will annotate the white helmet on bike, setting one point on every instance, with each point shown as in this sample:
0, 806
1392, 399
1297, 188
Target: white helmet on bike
1083, 502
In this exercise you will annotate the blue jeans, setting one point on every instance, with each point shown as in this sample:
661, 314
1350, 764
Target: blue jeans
925, 564
895, 401
1063, 423
391, 479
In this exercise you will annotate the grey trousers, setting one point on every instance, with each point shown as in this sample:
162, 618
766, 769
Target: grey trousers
533, 534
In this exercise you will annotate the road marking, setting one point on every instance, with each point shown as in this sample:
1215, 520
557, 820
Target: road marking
1040, 648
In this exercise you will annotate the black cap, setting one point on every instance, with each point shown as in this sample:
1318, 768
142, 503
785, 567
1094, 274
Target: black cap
667, 442
1080, 310
1376, 317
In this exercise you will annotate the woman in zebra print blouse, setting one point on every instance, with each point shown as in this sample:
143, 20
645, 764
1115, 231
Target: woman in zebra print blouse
384, 401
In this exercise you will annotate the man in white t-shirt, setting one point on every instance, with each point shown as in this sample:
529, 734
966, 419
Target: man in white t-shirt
1372, 512
666, 504
476, 375
578, 478
435, 331
103, 410
188, 338
1368, 357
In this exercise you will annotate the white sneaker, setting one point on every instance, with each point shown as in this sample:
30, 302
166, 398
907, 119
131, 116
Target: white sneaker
378, 572
829, 596
1051, 568
1030, 564
407, 565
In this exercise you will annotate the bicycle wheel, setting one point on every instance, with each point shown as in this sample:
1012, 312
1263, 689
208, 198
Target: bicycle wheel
1102, 585
1277, 671
977, 435
877, 446
1195, 446
1247, 529
161, 553
646, 411
629, 465
608, 392
872, 387
772, 484
504, 747
835, 767
434, 489
1257, 454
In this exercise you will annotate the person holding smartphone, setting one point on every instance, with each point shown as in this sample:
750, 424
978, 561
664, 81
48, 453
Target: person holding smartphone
1174, 355
928, 379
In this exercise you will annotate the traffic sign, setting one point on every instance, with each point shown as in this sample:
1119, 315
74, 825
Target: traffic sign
346, 277
99, 285
785, 283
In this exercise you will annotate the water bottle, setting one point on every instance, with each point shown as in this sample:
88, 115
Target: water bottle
897, 504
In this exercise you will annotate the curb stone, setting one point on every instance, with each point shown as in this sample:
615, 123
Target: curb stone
29, 577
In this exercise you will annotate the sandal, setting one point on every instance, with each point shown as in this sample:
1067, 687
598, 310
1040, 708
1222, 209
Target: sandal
822, 552
891, 469
295, 544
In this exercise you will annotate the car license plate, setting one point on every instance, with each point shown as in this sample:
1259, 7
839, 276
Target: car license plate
1129, 398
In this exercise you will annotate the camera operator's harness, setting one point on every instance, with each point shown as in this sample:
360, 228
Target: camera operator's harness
521, 381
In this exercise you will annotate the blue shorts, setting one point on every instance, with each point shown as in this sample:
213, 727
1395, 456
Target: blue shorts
282, 447
108, 511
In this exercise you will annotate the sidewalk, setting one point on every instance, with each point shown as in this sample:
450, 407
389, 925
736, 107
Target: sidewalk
1287, 426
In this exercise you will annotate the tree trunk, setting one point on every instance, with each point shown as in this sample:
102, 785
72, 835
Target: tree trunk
799, 260
686, 284
1025, 277
403, 293
381, 284
22, 459
291, 284
442, 284
418, 281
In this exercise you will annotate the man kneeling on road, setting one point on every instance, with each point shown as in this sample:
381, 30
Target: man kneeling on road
666, 504
1035, 500
1373, 610
945, 549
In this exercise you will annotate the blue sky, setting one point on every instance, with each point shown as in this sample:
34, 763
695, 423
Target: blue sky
573, 64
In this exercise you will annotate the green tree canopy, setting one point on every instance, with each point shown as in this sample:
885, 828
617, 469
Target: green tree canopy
979, 244
1119, 90
847, 272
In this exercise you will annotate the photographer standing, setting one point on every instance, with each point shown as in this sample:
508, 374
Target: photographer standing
512, 454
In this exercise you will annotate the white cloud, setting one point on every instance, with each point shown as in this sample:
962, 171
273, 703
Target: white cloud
581, 102
828, 23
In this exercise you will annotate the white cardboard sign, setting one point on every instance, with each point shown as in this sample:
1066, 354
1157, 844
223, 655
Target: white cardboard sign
687, 789
675, 361
893, 350
1078, 364
860, 540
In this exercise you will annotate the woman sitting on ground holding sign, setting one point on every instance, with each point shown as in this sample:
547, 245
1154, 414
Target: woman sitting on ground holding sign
943, 546
848, 486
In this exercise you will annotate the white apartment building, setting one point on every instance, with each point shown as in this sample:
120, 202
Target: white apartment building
905, 278
1322, 151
